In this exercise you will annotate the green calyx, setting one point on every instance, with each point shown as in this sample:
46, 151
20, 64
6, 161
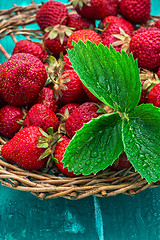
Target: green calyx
48, 141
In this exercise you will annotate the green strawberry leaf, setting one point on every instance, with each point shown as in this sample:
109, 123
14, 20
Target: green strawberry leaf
112, 77
141, 138
96, 145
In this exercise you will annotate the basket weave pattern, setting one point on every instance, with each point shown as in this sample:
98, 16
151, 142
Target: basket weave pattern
48, 185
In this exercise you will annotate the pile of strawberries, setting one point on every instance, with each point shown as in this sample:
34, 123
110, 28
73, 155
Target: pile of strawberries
42, 100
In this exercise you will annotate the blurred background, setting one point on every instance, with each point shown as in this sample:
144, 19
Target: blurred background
24, 217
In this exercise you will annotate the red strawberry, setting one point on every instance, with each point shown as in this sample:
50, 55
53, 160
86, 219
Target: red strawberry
9, 117
59, 153
51, 13
121, 162
154, 95
96, 10
70, 106
119, 20
42, 116
34, 48
46, 97
55, 39
78, 22
83, 114
157, 24
67, 63
69, 88
144, 29
148, 80
114, 28
22, 149
22, 77
145, 48
84, 34
135, 11
119, 41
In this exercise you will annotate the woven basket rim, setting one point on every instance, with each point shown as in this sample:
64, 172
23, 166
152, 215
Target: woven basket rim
46, 185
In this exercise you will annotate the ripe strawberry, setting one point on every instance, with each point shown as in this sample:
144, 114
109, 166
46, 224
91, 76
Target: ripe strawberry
70, 106
157, 24
10, 117
119, 20
119, 41
135, 11
67, 63
51, 13
148, 80
154, 95
84, 34
46, 97
55, 39
121, 162
22, 149
114, 28
59, 153
78, 22
34, 48
22, 77
83, 114
42, 116
145, 48
64, 113
96, 10
69, 88
144, 29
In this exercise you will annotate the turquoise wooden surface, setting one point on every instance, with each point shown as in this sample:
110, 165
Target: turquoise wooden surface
24, 217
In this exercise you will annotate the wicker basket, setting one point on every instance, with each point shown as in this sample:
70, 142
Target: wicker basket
48, 185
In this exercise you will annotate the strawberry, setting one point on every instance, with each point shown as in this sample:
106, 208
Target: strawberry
22, 149
157, 24
59, 153
34, 48
51, 13
148, 80
83, 114
46, 97
69, 88
70, 107
118, 41
135, 11
144, 29
145, 48
154, 95
42, 116
22, 77
78, 22
119, 20
10, 117
114, 28
64, 113
67, 63
55, 39
96, 10
84, 34
121, 162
